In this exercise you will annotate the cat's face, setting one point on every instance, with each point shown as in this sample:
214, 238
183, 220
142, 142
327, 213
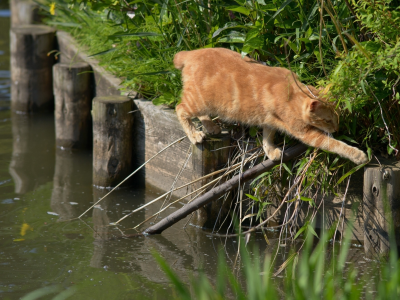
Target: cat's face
322, 116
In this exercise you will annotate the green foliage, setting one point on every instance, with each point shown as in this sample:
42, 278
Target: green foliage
309, 275
352, 46
365, 82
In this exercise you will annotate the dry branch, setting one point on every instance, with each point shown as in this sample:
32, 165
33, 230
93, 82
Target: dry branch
218, 191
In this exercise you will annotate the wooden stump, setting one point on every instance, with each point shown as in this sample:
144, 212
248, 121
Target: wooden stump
73, 97
24, 12
31, 67
112, 140
208, 157
381, 208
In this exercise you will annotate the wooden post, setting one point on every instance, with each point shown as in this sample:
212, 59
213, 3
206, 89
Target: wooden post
24, 12
31, 67
381, 207
73, 97
112, 140
208, 157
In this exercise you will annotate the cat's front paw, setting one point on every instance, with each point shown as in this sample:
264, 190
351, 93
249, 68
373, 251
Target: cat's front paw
360, 157
274, 154
197, 137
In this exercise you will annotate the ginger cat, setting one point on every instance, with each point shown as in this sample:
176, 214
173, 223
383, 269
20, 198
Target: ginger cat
218, 81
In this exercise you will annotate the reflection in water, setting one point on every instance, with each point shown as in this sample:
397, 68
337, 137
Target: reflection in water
109, 210
71, 184
101, 228
32, 162
5, 82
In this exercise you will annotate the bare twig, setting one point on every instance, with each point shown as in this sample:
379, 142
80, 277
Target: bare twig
134, 172
235, 167
341, 211
220, 190
321, 12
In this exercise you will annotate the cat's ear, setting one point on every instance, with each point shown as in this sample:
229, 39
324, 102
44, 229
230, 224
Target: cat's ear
314, 105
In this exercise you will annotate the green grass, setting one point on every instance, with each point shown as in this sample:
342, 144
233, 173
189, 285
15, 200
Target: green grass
309, 275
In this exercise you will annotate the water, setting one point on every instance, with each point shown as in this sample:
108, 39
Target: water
42, 189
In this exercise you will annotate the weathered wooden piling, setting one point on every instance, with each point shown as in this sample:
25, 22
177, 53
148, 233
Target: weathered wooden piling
24, 12
31, 67
381, 207
73, 98
208, 157
112, 140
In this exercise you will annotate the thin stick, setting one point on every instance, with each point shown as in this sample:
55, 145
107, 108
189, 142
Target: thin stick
199, 190
218, 191
177, 176
383, 119
320, 37
279, 207
340, 215
129, 176
185, 185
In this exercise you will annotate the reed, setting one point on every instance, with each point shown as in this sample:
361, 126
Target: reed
309, 276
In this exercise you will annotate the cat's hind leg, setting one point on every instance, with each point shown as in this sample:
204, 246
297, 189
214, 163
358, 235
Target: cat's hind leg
209, 125
185, 118
273, 152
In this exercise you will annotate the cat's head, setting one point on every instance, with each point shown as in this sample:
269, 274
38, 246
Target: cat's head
322, 115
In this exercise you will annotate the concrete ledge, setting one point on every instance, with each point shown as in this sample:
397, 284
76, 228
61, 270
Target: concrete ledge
105, 84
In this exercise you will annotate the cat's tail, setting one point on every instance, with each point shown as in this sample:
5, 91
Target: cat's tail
179, 59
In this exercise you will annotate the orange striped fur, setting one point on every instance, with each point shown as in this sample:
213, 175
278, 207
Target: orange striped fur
219, 82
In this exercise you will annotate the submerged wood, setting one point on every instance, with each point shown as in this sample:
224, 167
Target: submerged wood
381, 208
72, 97
112, 140
218, 191
31, 67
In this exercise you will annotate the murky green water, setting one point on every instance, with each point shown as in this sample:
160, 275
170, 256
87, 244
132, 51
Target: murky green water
42, 189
